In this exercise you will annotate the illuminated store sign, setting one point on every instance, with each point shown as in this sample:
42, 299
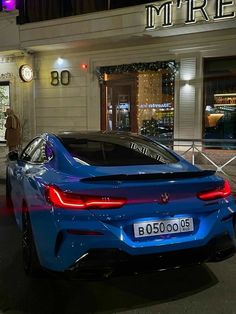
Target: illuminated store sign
154, 106
193, 10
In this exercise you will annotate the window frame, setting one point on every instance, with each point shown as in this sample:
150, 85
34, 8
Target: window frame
41, 143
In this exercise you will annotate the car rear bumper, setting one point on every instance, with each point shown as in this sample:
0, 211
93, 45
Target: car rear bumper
218, 249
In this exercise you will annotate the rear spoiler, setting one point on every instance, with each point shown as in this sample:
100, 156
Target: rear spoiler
151, 176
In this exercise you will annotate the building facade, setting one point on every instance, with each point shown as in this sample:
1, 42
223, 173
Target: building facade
165, 69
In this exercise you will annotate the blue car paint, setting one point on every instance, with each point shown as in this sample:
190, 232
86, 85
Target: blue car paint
116, 225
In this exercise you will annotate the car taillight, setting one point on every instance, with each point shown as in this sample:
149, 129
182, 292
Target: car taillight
220, 192
63, 199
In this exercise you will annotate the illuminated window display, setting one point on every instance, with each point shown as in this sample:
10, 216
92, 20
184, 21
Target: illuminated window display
139, 98
220, 99
4, 104
155, 102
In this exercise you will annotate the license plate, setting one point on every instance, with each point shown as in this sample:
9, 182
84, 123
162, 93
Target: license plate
162, 227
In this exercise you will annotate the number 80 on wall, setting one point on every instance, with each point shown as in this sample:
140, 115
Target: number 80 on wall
62, 77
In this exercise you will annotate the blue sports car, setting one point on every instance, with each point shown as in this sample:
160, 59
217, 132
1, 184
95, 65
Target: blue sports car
100, 201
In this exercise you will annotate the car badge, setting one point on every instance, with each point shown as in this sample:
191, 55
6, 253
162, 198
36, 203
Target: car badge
165, 197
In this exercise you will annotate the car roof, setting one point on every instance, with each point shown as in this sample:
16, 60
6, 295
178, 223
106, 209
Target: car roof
98, 135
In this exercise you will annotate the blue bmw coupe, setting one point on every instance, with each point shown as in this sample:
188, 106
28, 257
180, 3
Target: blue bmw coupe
99, 201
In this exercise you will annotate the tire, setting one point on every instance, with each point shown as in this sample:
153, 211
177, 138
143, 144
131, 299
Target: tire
31, 263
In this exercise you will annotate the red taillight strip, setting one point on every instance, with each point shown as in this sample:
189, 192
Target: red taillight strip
63, 199
109, 203
221, 192
59, 198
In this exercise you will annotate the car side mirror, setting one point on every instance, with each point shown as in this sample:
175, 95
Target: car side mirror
13, 155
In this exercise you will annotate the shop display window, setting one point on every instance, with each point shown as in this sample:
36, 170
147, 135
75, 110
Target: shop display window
155, 104
220, 102
4, 104
142, 102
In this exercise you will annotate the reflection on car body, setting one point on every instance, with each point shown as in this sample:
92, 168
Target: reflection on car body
90, 201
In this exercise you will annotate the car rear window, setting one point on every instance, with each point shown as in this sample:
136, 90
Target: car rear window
117, 152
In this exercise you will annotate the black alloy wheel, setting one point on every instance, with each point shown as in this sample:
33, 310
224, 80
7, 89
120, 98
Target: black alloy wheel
31, 263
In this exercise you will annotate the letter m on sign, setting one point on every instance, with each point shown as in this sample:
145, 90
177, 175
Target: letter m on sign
153, 11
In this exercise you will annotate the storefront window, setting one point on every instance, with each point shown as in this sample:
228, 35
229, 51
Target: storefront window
4, 104
220, 102
140, 100
155, 102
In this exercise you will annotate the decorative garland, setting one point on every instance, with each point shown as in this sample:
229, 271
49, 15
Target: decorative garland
172, 66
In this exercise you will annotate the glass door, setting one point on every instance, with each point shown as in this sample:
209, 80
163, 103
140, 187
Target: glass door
120, 107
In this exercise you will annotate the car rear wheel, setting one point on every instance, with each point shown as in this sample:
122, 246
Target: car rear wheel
30, 257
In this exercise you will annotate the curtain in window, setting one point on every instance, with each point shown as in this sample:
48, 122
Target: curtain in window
39, 10
86, 6
126, 3
35, 10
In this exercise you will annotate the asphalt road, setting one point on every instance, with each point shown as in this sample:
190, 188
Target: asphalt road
202, 289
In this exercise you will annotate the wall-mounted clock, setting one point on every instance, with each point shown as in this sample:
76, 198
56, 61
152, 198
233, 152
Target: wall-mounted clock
26, 73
